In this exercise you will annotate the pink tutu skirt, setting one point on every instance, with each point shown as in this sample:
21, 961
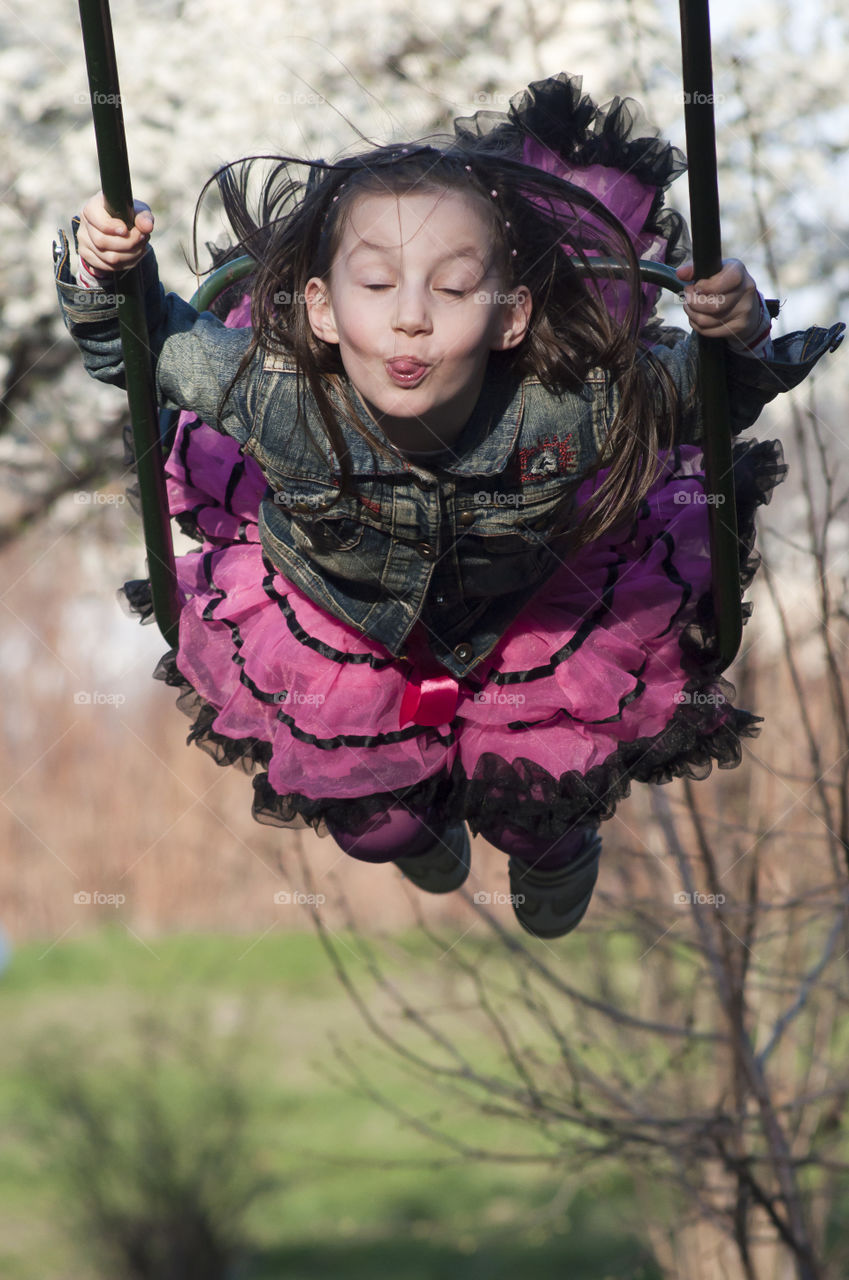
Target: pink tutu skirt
605, 677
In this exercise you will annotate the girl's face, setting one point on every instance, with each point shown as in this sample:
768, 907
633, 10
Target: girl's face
416, 303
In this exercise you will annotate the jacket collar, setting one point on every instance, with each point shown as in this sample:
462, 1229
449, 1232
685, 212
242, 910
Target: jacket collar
483, 447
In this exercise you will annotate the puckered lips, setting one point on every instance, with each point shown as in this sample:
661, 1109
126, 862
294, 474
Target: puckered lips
406, 371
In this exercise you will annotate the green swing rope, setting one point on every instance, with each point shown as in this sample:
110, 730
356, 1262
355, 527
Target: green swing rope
117, 190
712, 383
707, 258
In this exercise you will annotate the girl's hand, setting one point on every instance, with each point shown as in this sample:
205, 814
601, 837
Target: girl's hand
726, 305
105, 243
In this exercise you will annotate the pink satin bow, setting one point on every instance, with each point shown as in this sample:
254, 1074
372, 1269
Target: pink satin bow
429, 700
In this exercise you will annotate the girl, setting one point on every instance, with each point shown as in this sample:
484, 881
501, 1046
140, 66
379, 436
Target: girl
454, 564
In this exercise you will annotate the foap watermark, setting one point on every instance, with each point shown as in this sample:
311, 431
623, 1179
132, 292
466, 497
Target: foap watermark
701, 99
484, 297
698, 498
298, 98
296, 897
86, 498
94, 698
499, 698
698, 899
293, 697
299, 501
698, 698
282, 298
484, 99
484, 499
96, 298
83, 898
99, 99
486, 899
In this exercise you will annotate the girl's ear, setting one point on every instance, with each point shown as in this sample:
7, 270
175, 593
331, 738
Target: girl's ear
320, 310
515, 318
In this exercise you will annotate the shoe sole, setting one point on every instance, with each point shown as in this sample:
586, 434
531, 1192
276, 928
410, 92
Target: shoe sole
432, 879
577, 882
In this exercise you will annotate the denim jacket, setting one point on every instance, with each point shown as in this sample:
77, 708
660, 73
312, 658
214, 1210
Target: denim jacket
460, 548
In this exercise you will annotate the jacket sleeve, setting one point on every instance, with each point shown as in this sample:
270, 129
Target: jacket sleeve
194, 354
752, 382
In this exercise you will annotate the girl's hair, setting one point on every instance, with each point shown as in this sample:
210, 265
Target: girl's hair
532, 214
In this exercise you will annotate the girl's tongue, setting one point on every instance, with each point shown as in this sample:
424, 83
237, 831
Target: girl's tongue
404, 364
404, 370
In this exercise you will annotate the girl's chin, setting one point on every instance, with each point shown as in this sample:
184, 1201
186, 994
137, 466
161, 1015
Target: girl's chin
414, 412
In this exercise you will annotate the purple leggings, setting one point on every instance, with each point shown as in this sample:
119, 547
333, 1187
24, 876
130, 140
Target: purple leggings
399, 833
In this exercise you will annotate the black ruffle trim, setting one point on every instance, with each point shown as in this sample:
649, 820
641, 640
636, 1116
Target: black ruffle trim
522, 793
557, 114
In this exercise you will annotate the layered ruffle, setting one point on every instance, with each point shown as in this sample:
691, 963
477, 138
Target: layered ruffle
612, 152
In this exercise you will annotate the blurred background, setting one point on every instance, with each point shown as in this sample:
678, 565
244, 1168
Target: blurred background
198, 1079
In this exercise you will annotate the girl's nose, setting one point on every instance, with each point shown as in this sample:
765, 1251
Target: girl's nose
412, 314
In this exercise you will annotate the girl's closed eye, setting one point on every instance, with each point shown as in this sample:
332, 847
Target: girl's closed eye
455, 292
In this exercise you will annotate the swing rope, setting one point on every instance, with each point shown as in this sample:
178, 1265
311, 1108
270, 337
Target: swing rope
697, 76
117, 190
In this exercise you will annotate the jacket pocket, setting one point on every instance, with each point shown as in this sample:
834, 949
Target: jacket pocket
317, 522
327, 535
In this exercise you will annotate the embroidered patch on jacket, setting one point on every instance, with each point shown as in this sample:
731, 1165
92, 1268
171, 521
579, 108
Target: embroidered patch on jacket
551, 456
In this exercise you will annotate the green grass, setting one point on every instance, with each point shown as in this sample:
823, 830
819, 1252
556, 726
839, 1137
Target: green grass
359, 1194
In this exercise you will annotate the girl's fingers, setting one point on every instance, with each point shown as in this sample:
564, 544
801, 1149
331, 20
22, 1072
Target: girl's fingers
144, 217
732, 278
105, 241
723, 305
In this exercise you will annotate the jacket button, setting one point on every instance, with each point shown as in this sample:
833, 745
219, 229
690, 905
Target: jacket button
463, 652
467, 517
440, 599
426, 550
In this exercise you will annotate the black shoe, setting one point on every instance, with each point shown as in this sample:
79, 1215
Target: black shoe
444, 866
549, 904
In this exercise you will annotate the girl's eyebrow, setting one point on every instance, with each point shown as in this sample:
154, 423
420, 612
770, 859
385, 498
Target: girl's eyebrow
465, 251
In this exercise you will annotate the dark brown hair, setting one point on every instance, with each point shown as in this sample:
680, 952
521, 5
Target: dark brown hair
298, 225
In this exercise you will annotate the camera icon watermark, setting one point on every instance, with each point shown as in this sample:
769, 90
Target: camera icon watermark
287, 898
99, 99
298, 98
282, 298
698, 698
698, 498
486, 297
85, 498
484, 99
96, 899
699, 899
701, 99
86, 698
294, 697
485, 899
499, 698
484, 499
298, 501
95, 298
